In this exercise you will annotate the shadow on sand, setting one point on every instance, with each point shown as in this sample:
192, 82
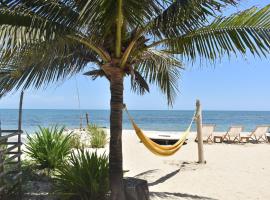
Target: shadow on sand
164, 178
146, 173
168, 195
168, 176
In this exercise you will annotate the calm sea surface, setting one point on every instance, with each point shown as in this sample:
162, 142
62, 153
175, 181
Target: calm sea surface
146, 119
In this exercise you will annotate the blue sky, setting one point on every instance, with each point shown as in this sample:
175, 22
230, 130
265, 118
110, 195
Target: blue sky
238, 84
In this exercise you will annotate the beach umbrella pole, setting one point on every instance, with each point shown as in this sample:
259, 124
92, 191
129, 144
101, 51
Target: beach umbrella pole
199, 132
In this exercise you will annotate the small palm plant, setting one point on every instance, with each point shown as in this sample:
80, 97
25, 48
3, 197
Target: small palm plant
85, 176
98, 136
48, 147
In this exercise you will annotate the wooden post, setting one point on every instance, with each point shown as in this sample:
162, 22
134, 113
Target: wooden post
199, 132
80, 122
20, 123
20, 143
87, 118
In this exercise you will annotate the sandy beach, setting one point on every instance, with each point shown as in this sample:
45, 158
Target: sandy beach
232, 171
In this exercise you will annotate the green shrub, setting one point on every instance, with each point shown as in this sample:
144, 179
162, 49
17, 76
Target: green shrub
48, 147
76, 142
85, 176
98, 136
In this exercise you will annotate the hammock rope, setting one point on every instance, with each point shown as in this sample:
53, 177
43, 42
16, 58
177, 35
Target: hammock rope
156, 148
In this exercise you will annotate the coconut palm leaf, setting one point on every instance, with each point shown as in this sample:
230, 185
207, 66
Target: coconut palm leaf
182, 16
43, 63
249, 30
161, 69
138, 84
61, 12
94, 74
103, 13
19, 30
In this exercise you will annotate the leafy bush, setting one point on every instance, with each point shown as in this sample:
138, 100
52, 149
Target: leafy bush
85, 176
48, 147
98, 136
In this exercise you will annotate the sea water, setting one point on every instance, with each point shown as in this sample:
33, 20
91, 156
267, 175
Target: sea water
159, 120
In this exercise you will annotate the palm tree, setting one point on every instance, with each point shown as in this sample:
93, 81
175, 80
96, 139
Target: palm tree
48, 41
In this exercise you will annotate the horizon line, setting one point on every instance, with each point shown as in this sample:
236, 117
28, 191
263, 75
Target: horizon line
243, 110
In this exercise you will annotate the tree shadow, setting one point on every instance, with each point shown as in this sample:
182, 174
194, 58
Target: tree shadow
169, 195
170, 175
164, 178
146, 173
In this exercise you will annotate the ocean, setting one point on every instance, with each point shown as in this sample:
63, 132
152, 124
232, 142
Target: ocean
159, 120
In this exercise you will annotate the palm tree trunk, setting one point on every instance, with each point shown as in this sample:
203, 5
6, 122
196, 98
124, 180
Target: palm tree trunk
116, 164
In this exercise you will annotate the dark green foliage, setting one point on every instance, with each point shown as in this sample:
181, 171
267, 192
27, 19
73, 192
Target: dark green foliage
98, 136
48, 147
84, 176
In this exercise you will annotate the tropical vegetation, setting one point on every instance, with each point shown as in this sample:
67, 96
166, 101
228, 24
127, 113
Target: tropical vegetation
98, 136
85, 176
48, 147
146, 40
76, 142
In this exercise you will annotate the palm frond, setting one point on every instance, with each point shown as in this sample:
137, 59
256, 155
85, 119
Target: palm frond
101, 15
62, 12
94, 74
139, 84
18, 30
182, 16
162, 69
249, 30
41, 64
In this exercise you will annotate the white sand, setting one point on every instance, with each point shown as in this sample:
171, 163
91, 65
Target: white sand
233, 171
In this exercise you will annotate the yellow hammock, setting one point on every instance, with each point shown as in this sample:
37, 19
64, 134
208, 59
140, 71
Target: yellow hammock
156, 148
